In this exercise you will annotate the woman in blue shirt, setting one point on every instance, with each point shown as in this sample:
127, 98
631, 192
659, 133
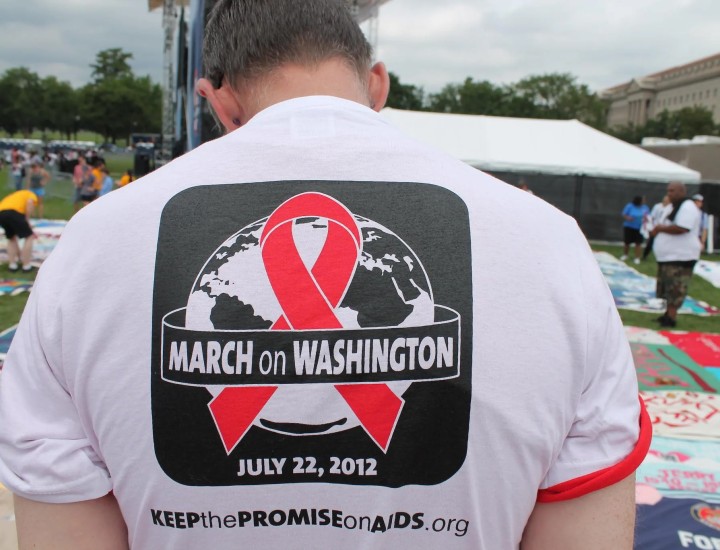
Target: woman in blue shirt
634, 215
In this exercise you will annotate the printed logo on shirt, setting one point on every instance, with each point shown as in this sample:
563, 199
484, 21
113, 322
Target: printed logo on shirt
312, 331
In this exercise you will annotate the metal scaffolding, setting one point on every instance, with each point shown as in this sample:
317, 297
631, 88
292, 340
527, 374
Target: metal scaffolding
168, 104
364, 11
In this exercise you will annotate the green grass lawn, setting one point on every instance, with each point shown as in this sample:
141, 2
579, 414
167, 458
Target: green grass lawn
700, 289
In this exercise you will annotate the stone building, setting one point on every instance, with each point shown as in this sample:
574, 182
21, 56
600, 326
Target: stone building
702, 153
694, 84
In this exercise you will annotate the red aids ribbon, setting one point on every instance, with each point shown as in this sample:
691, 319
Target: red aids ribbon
308, 299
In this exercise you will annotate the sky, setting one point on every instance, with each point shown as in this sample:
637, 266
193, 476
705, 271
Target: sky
428, 43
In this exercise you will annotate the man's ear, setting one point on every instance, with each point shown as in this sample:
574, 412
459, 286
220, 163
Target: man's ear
378, 86
223, 102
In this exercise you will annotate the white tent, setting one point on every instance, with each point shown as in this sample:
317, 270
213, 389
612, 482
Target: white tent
559, 147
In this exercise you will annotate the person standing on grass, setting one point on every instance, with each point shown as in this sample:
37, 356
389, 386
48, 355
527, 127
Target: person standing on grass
634, 215
16, 170
147, 336
677, 250
15, 212
699, 200
126, 178
82, 179
92, 184
107, 181
658, 213
38, 178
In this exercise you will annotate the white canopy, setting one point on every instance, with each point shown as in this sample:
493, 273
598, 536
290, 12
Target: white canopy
565, 147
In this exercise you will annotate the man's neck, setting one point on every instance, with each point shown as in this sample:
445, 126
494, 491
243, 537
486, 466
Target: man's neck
332, 78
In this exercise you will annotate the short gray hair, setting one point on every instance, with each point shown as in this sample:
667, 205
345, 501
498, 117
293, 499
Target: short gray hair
247, 39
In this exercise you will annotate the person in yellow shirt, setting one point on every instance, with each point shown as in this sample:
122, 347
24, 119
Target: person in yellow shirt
90, 189
15, 212
126, 178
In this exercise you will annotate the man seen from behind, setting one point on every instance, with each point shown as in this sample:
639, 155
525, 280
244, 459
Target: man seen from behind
316, 332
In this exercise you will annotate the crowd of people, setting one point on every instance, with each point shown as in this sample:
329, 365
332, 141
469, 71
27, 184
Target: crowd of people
639, 222
34, 171
676, 230
30, 174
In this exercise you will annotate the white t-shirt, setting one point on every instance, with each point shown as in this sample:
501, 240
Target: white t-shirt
446, 367
658, 213
685, 246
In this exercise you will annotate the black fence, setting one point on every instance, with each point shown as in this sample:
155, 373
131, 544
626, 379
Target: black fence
597, 203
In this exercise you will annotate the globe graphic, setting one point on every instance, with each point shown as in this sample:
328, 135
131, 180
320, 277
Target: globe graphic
389, 288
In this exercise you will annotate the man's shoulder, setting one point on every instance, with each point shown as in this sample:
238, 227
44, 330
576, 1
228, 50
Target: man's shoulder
688, 208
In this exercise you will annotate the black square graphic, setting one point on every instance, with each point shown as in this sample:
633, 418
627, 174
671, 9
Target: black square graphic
357, 354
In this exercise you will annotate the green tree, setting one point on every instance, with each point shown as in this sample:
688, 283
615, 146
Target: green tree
59, 106
20, 101
482, 98
559, 96
472, 98
117, 102
446, 100
694, 121
119, 106
404, 96
685, 123
111, 63
629, 132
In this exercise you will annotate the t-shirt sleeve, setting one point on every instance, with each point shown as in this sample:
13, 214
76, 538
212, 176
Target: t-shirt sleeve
611, 431
45, 454
687, 215
626, 210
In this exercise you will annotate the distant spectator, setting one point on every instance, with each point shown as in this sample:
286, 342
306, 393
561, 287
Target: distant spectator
37, 179
92, 186
35, 158
126, 178
658, 213
15, 212
524, 186
677, 249
634, 214
107, 181
83, 179
699, 200
17, 170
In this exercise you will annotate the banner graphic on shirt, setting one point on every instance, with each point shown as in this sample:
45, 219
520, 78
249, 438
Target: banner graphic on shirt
315, 343
633, 290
